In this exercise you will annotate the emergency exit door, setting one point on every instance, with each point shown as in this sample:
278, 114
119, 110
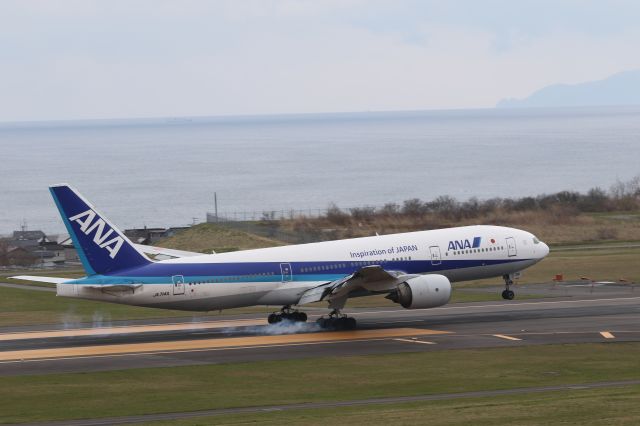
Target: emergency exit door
436, 258
511, 247
178, 284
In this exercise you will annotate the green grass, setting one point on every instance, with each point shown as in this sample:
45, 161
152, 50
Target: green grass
205, 237
153, 390
618, 406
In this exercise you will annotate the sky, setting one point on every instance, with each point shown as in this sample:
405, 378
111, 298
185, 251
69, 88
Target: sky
64, 60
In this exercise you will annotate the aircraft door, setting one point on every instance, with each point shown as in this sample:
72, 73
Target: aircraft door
436, 257
285, 268
178, 284
511, 247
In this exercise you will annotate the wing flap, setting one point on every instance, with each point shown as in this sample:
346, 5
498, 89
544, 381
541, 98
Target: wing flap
373, 278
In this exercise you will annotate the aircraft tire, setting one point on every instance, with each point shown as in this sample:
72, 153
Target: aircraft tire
350, 323
274, 318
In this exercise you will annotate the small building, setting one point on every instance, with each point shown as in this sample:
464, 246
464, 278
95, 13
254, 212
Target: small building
50, 253
20, 256
146, 236
70, 252
26, 238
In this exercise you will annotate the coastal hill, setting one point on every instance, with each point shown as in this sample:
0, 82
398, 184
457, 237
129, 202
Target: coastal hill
619, 89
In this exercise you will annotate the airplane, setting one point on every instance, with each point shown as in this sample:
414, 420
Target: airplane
413, 269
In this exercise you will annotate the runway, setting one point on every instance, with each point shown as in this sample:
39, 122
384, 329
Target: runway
611, 314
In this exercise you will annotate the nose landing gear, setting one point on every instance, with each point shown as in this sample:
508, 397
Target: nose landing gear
507, 293
286, 313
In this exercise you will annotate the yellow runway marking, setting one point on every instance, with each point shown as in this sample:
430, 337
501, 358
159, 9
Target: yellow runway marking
502, 336
101, 331
204, 344
607, 335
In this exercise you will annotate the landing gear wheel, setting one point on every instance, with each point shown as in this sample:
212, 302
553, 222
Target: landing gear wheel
299, 317
336, 321
286, 314
274, 318
350, 323
507, 293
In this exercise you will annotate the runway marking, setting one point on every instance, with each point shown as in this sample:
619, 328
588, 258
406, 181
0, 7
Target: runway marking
204, 344
513, 305
415, 341
502, 336
607, 335
101, 331
171, 352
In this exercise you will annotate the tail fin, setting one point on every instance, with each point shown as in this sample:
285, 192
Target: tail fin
101, 246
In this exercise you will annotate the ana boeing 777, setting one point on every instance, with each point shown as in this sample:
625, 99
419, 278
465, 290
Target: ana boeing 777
413, 269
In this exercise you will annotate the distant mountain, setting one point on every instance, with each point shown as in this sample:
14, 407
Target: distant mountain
619, 89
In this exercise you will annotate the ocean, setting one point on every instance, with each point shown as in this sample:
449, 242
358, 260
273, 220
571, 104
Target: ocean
164, 172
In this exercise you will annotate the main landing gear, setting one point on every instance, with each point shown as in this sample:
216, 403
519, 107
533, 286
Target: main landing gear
508, 294
337, 321
286, 313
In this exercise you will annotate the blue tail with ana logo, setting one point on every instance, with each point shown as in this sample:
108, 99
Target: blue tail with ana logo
102, 248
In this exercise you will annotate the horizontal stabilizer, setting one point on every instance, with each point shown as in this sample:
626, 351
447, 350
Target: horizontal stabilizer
52, 280
114, 287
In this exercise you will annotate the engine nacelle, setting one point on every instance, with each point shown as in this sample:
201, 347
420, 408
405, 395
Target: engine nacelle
426, 291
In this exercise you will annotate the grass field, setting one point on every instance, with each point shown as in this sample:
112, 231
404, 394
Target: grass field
615, 406
153, 390
206, 237
553, 226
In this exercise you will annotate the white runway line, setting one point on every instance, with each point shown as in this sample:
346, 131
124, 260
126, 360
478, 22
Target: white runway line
415, 341
607, 335
512, 305
502, 336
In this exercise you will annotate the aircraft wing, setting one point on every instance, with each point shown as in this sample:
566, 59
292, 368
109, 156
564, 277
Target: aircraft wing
372, 278
52, 280
165, 251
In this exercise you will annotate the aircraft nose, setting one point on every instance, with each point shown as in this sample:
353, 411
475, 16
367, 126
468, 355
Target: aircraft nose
544, 250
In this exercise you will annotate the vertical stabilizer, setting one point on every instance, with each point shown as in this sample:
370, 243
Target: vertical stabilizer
102, 248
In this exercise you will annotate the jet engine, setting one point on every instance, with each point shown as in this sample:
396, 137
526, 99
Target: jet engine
426, 291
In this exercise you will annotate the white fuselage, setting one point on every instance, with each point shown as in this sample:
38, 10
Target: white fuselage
279, 275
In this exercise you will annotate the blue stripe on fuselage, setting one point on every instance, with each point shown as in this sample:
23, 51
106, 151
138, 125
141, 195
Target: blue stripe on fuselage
159, 273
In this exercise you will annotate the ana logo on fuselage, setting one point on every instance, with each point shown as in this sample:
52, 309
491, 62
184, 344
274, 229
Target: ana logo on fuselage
87, 226
464, 244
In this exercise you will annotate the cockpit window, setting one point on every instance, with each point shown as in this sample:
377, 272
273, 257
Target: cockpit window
536, 241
